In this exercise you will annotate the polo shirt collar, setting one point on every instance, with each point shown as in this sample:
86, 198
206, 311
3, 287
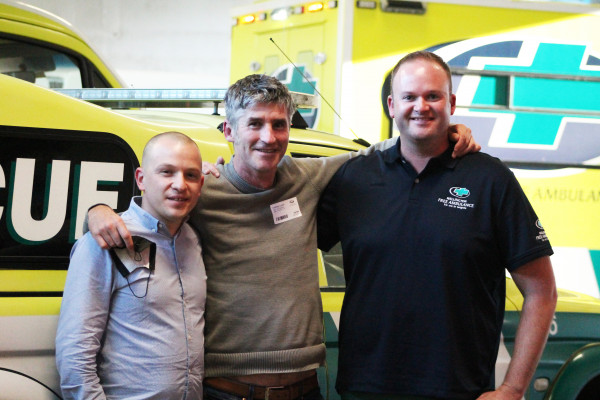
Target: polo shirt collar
445, 159
394, 155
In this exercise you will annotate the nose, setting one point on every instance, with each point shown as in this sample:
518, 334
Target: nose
178, 182
421, 104
267, 134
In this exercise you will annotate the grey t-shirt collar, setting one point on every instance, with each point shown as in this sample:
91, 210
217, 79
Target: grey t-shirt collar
237, 181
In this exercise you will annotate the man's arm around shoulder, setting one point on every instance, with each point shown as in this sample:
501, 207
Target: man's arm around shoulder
107, 228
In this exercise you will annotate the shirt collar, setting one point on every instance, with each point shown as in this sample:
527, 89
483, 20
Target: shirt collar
237, 181
445, 159
240, 184
146, 219
394, 155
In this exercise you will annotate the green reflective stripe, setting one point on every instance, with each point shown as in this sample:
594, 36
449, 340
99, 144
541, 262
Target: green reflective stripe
566, 326
331, 331
570, 331
327, 374
595, 256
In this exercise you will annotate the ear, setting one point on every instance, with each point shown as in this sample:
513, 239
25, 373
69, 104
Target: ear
228, 131
452, 104
390, 102
139, 178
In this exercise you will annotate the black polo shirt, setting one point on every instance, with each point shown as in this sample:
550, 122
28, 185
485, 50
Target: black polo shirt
424, 260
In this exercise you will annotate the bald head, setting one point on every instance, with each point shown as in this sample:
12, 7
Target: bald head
172, 137
170, 177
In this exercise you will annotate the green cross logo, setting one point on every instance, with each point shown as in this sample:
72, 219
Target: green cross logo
460, 192
552, 120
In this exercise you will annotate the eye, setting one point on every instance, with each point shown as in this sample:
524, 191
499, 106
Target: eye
165, 171
408, 97
193, 176
280, 125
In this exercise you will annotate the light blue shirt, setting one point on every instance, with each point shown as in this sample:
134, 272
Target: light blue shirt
114, 340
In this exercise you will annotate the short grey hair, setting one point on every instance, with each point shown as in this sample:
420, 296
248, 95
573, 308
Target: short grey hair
256, 89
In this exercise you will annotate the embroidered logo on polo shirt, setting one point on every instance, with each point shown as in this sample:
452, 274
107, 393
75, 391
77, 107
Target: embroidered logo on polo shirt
460, 192
542, 233
457, 200
539, 224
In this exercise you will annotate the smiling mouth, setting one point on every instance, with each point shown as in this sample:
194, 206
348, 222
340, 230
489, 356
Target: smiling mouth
423, 122
418, 118
268, 151
178, 199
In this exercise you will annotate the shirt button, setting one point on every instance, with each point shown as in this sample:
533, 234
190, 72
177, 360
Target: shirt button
417, 180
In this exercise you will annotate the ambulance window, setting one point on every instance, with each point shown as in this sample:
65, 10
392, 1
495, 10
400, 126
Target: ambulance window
98, 80
36, 64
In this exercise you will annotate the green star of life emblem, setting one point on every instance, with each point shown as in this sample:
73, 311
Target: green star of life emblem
539, 128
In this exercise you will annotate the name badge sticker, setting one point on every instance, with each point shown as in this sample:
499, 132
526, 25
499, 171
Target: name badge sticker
285, 210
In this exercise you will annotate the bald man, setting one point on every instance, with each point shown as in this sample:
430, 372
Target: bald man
131, 322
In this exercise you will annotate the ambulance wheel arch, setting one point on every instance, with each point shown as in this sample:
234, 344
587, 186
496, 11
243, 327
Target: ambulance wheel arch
18, 386
579, 377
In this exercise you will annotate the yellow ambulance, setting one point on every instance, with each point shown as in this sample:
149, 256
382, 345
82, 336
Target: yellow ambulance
61, 154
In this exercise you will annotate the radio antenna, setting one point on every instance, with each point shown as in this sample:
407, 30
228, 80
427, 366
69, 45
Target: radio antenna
319, 93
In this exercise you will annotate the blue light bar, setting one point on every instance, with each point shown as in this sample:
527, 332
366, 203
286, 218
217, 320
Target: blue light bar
165, 98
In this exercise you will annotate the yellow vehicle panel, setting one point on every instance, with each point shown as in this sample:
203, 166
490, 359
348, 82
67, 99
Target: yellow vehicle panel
28, 24
441, 23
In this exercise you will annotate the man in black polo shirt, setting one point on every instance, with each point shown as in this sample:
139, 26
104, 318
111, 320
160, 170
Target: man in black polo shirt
426, 241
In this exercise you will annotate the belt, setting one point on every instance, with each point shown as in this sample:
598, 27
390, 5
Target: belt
289, 392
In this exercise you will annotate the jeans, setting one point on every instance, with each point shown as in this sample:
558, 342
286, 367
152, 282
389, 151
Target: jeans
215, 394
